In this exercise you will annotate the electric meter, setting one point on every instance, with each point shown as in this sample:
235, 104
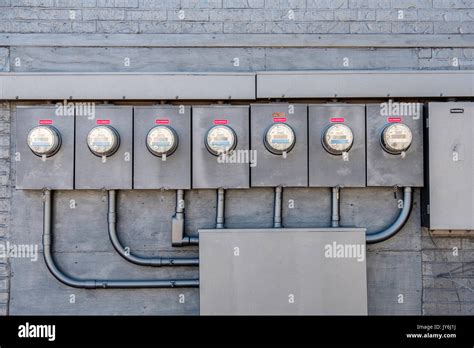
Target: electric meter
396, 138
162, 140
337, 138
220, 139
44, 141
279, 138
103, 140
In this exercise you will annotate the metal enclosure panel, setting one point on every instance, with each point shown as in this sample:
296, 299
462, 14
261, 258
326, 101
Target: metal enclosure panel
150, 171
275, 170
55, 172
364, 84
384, 169
281, 272
116, 172
330, 170
207, 171
451, 165
119, 86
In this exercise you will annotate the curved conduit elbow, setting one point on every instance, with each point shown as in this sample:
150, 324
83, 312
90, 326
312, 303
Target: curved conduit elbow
128, 255
399, 222
95, 283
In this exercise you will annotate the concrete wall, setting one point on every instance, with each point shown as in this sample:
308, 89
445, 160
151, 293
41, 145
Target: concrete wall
413, 273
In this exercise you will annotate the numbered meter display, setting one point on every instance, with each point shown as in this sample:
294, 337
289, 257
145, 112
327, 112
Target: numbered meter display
337, 138
220, 139
44, 141
162, 140
103, 141
396, 138
279, 138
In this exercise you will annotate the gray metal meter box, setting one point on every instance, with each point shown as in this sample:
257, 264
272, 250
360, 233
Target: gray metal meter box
279, 134
283, 272
337, 145
395, 144
448, 196
54, 169
104, 149
220, 146
162, 147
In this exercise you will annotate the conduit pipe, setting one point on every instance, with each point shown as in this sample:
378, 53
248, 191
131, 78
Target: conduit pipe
277, 219
95, 283
128, 255
380, 236
177, 224
220, 208
335, 207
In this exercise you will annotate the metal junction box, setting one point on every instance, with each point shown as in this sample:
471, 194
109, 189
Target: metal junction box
154, 170
283, 272
55, 172
387, 169
448, 197
111, 172
277, 168
228, 124
344, 125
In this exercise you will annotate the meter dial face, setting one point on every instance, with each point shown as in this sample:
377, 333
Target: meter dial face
103, 141
220, 139
338, 138
279, 138
162, 140
396, 138
44, 141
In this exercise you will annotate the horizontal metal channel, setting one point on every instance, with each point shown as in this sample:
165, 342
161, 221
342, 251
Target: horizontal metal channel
132, 86
365, 84
237, 40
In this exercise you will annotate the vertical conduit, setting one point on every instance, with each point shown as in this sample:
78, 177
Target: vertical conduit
277, 220
220, 208
335, 207
178, 238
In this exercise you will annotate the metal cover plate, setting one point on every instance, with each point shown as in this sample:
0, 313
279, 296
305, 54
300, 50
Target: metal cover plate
281, 272
56, 172
150, 171
329, 170
116, 172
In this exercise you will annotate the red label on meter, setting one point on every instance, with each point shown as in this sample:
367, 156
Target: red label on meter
337, 120
279, 119
394, 119
45, 121
162, 121
220, 121
103, 121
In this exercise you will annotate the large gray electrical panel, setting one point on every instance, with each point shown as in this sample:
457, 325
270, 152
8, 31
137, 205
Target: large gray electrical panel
156, 170
385, 168
54, 172
341, 168
287, 167
283, 272
211, 170
105, 172
448, 198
